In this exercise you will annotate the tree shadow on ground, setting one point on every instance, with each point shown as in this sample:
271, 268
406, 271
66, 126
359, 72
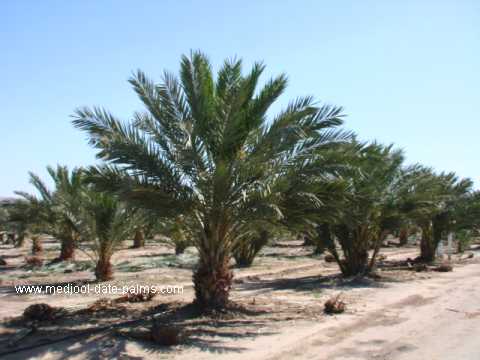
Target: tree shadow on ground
309, 283
292, 257
156, 255
298, 244
91, 334
7, 268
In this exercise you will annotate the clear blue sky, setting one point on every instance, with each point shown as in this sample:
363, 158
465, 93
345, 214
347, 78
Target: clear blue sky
406, 71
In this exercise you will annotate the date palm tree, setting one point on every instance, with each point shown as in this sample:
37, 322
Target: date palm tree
205, 149
367, 206
104, 222
246, 250
455, 192
57, 207
467, 214
433, 202
20, 216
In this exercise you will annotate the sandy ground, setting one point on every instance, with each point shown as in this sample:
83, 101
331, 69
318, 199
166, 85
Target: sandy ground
403, 315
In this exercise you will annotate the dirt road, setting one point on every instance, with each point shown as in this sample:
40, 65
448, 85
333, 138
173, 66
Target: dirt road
437, 318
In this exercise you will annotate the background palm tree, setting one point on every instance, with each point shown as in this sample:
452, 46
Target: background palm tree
467, 220
15, 216
204, 149
105, 223
57, 208
245, 251
433, 202
367, 208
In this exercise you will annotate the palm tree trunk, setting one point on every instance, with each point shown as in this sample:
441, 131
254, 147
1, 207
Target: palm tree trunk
355, 245
460, 247
180, 248
20, 240
103, 269
356, 263
139, 239
307, 239
11, 238
67, 252
212, 282
403, 236
212, 279
323, 238
36, 244
427, 244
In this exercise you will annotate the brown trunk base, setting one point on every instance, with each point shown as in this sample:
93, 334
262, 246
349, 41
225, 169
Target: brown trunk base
355, 264
103, 270
36, 245
427, 251
139, 239
67, 251
212, 286
180, 248
403, 237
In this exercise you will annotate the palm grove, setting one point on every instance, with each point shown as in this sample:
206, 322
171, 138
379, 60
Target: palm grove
205, 166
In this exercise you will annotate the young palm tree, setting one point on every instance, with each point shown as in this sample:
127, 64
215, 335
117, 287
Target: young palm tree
4, 223
17, 216
246, 251
59, 206
432, 202
148, 225
467, 219
178, 232
30, 215
204, 149
106, 223
368, 210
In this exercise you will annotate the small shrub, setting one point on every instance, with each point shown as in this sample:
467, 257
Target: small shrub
334, 306
37, 246
166, 335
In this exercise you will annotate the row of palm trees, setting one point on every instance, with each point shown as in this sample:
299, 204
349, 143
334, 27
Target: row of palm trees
206, 161
74, 212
